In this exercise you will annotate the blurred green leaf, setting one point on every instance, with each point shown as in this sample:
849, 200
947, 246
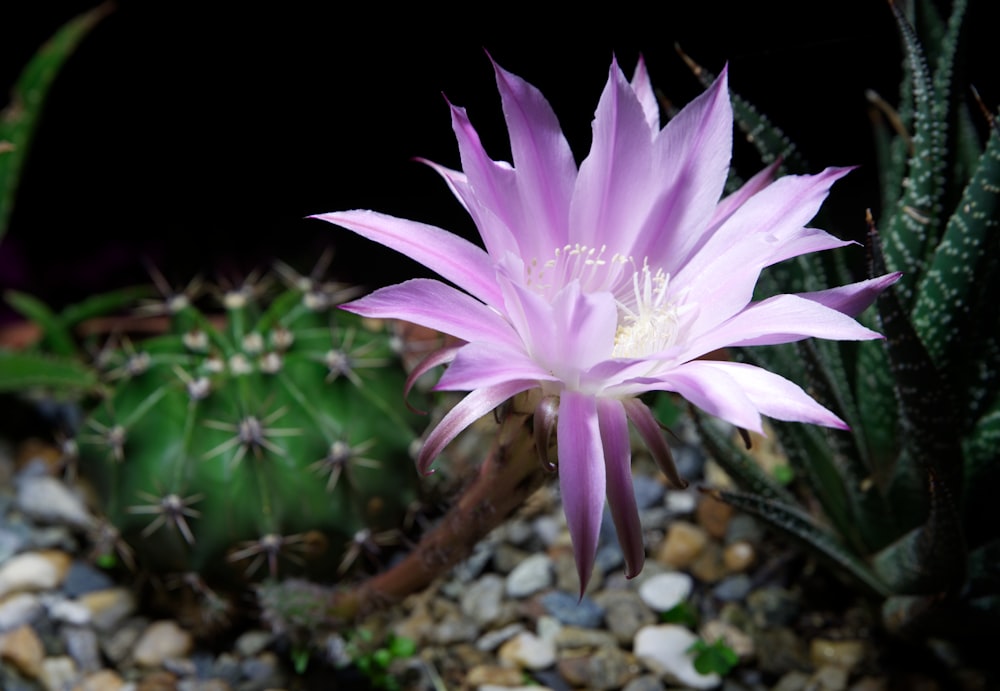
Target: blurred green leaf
19, 118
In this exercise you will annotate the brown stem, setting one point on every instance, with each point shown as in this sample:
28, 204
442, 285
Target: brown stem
508, 476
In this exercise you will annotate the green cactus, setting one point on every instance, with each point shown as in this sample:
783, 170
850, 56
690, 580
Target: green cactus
907, 497
272, 439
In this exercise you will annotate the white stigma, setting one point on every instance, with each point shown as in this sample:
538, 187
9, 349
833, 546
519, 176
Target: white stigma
649, 320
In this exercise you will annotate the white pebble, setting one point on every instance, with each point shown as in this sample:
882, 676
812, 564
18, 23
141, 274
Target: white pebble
664, 650
664, 591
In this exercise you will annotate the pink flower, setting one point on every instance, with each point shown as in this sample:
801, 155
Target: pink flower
606, 281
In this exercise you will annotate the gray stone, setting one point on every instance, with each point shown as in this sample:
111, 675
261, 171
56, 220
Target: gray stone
18, 609
507, 557
481, 601
48, 500
80, 643
649, 491
573, 611
530, 576
773, 606
494, 639
84, 578
253, 642
733, 588
572, 638
647, 682
624, 613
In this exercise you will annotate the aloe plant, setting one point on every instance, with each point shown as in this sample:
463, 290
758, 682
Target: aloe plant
905, 499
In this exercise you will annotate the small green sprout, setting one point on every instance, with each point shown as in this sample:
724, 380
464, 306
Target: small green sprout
715, 658
681, 613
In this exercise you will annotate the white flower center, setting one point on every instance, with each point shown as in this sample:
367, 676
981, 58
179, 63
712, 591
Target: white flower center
648, 321
648, 313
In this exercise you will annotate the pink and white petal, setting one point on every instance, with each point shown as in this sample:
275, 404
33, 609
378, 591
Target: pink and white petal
761, 226
621, 494
691, 157
728, 206
780, 319
616, 184
714, 390
643, 89
452, 257
468, 410
492, 186
584, 328
457, 181
437, 306
441, 356
543, 163
581, 476
775, 396
854, 298
481, 364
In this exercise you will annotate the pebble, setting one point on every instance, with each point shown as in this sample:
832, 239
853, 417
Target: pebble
773, 606
42, 570
568, 579
605, 669
680, 502
847, 654
528, 651
58, 672
84, 578
738, 556
573, 611
67, 611
80, 643
649, 491
530, 576
18, 609
48, 500
23, 650
647, 682
663, 649
624, 613
108, 608
666, 590
682, 545
494, 674
733, 588
738, 641
494, 639
572, 638
161, 641
105, 680
714, 516
483, 599
253, 642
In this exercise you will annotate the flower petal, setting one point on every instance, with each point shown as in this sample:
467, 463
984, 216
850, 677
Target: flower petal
649, 429
437, 306
621, 494
454, 258
615, 186
468, 410
483, 364
643, 89
581, 476
854, 298
715, 391
780, 319
690, 162
543, 163
774, 395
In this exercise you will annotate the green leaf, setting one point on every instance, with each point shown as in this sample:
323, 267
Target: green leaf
56, 337
682, 613
739, 465
799, 525
713, 658
913, 226
21, 371
19, 118
945, 295
931, 557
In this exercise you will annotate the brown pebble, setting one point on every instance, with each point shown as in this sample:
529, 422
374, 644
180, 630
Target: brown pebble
104, 680
682, 545
714, 516
23, 650
482, 675
738, 556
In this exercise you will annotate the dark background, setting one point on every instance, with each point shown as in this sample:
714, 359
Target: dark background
197, 136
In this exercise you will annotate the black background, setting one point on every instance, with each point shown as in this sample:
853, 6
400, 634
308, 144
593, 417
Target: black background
198, 135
